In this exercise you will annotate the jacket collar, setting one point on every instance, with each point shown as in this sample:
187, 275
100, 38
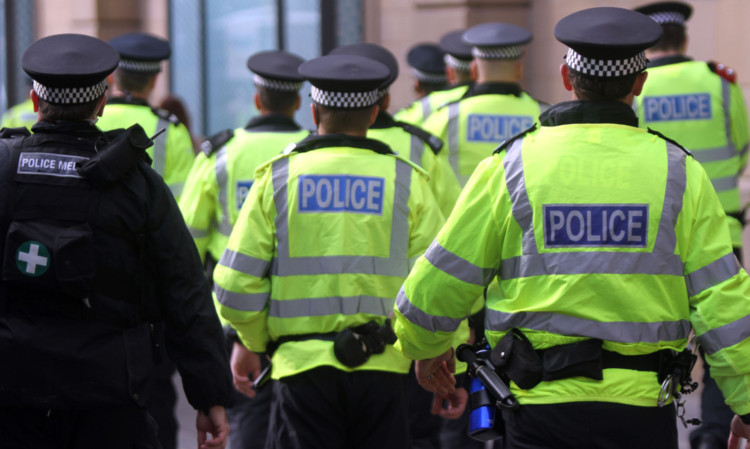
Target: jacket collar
272, 122
127, 100
383, 120
315, 141
667, 60
589, 111
81, 128
493, 88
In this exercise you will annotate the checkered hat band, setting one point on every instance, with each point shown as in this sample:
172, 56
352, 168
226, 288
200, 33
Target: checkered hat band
382, 93
458, 64
509, 52
70, 95
605, 68
432, 78
668, 17
284, 86
344, 100
140, 66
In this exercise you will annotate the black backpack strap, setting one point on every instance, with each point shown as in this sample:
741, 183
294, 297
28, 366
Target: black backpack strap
218, 140
657, 133
506, 143
433, 141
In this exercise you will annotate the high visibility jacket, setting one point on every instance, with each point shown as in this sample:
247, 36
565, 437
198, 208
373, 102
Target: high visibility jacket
477, 123
323, 242
588, 227
223, 173
422, 148
172, 152
419, 110
20, 115
687, 102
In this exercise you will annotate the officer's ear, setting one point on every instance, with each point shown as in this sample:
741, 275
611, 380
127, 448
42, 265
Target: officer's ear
373, 115
34, 99
473, 69
100, 105
565, 73
256, 99
315, 117
640, 80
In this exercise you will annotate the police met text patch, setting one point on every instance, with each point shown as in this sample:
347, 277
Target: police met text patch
596, 225
677, 107
341, 193
495, 128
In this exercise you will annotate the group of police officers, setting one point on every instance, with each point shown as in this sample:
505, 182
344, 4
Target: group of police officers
586, 241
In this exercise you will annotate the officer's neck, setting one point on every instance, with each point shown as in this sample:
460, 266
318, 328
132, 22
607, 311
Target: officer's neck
322, 131
117, 93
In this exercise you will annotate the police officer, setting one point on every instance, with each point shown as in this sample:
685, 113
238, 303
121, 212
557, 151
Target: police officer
21, 115
699, 105
315, 260
602, 245
421, 147
133, 81
215, 190
99, 274
495, 107
428, 69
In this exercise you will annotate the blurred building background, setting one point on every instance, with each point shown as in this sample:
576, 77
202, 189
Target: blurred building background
212, 39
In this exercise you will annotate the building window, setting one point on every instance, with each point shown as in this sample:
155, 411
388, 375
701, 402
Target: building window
17, 33
211, 42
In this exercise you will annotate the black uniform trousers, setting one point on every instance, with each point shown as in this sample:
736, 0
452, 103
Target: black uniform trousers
327, 408
111, 428
590, 425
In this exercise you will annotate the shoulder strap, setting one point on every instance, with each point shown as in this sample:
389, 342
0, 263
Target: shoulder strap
166, 115
657, 133
723, 71
218, 140
506, 143
433, 141
9, 133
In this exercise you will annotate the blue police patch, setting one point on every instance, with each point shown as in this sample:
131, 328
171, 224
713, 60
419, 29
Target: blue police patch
677, 107
240, 193
341, 193
495, 128
49, 164
596, 225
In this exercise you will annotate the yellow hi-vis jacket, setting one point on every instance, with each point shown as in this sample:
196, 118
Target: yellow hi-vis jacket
705, 113
420, 110
172, 152
484, 117
588, 227
223, 173
323, 242
422, 148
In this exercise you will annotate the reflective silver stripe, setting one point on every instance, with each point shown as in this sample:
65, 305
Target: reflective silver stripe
246, 302
726, 183
726, 335
516, 184
598, 262
244, 263
619, 331
417, 316
160, 147
417, 150
177, 189
712, 274
662, 261
453, 138
335, 305
458, 267
426, 107
396, 264
714, 154
222, 180
198, 233
726, 101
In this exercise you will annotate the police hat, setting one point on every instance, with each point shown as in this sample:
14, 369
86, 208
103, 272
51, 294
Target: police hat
374, 52
457, 52
69, 68
427, 64
607, 42
141, 52
276, 70
667, 12
344, 81
497, 40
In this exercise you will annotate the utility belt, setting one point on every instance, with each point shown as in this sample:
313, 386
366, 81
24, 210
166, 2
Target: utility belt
515, 357
352, 346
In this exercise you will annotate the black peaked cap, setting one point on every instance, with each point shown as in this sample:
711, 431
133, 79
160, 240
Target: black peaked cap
496, 34
276, 64
683, 9
427, 58
453, 44
69, 60
140, 46
374, 52
344, 73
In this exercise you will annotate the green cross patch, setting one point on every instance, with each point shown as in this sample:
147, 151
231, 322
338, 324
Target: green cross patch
32, 258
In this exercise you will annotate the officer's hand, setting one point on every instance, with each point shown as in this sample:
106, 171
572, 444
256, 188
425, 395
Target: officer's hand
455, 407
214, 423
738, 430
244, 362
435, 374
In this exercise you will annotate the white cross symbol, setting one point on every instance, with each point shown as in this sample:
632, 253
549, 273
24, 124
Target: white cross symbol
32, 258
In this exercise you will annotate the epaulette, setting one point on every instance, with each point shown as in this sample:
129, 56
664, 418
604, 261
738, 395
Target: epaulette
506, 143
166, 115
9, 133
657, 133
433, 141
213, 143
723, 71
